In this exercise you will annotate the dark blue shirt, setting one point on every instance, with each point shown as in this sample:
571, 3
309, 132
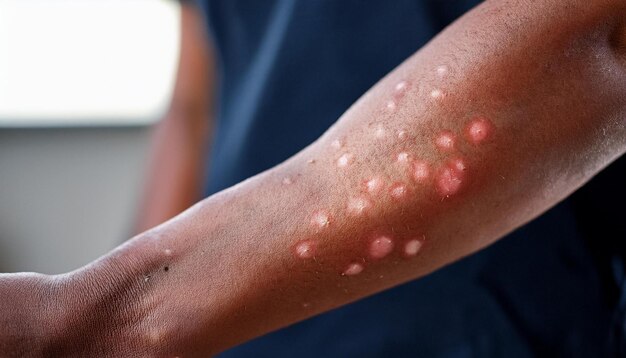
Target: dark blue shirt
554, 288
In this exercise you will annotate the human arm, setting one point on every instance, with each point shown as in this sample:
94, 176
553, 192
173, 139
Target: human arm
548, 76
180, 140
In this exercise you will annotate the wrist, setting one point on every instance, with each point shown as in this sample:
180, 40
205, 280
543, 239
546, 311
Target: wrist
26, 322
98, 310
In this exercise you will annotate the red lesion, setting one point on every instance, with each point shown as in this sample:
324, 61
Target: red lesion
478, 130
320, 219
398, 191
380, 247
450, 177
446, 141
412, 247
305, 249
358, 206
400, 89
353, 269
374, 185
420, 170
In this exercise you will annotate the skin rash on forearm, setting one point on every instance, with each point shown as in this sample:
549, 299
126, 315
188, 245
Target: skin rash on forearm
501, 116
445, 179
485, 128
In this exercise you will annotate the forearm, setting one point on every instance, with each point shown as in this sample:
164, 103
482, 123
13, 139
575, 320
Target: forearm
310, 234
177, 157
174, 175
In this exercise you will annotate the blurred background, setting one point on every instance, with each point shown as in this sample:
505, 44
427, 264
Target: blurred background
81, 84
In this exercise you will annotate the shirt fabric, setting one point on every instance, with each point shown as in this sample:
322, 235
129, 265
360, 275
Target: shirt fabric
555, 288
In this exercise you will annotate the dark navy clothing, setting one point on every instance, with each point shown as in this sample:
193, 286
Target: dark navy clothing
554, 288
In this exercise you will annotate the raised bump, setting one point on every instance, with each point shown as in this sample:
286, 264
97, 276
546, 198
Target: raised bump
358, 206
412, 247
421, 171
478, 130
353, 269
381, 247
305, 249
446, 141
321, 219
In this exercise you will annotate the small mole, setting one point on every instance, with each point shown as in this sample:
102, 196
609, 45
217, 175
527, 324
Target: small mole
381, 247
446, 141
478, 130
353, 269
166, 268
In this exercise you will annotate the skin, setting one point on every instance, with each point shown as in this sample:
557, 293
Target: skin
550, 78
175, 172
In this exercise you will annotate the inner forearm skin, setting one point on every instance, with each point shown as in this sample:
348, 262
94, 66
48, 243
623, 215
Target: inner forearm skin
504, 114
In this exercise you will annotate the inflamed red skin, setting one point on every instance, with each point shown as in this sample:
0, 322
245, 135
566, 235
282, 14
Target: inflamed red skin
465, 141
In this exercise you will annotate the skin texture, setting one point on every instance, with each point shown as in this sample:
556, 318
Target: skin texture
550, 78
177, 157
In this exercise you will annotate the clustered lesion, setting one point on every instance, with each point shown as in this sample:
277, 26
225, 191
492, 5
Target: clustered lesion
445, 179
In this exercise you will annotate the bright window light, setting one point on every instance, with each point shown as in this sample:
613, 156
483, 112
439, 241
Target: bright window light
86, 62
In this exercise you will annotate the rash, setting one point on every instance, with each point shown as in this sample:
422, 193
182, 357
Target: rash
447, 179
398, 191
478, 130
353, 269
451, 177
358, 206
336, 144
446, 141
305, 249
421, 171
374, 185
402, 157
320, 219
381, 247
412, 247
437, 94
442, 70
344, 160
